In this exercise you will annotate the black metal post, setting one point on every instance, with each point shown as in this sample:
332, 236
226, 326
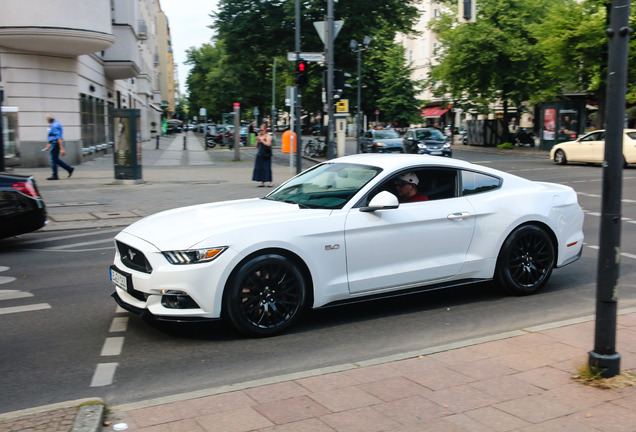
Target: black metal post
298, 104
184, 142
604, 357
2, 167
330, 103
157, 145
359, 114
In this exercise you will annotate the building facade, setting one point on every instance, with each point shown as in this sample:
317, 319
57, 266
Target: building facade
79, 60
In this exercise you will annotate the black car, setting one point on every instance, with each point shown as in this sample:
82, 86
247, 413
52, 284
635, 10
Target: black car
429, 141
22, 209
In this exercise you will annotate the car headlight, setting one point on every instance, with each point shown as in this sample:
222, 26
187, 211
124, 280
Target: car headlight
193, 256
447, 145
380, 144
421, 145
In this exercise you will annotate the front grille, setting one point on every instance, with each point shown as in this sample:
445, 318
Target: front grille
133, 258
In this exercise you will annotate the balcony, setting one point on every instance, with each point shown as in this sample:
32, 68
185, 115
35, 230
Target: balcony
122, 59
70, 28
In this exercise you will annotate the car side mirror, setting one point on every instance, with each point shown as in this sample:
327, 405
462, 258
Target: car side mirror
382, 201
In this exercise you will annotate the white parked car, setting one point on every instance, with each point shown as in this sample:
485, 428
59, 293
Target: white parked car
590, 148
337, 233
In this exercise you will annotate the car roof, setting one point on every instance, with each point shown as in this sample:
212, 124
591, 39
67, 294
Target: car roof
395, 161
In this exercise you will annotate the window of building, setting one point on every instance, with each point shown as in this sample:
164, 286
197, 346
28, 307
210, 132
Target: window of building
93, 121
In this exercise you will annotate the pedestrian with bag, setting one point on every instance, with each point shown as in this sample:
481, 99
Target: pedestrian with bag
263, 163
56, 147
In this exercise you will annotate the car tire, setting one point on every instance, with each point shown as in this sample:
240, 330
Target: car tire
525, 261
559, 157
265, 296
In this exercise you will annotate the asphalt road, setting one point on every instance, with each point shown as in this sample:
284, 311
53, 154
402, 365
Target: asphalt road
57, 317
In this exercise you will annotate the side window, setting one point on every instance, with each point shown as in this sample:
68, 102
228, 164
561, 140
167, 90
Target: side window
474, 182
438, 183
367, 134
409, 135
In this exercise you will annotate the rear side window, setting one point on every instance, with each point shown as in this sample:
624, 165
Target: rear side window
474, 182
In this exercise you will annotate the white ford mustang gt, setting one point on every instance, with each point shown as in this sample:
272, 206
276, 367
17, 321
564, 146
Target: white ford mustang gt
337, 233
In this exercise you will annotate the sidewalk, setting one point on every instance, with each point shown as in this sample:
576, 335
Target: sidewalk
517, 381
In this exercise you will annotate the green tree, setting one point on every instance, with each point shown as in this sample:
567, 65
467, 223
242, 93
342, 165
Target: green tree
398, 102
493, 59
573, 42
252, 33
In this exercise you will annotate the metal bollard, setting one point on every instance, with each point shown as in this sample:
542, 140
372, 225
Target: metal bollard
184, 142
157, 146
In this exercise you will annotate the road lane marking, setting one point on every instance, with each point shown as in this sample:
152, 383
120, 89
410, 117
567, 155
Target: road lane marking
90, 243
70, 236
623, 254
112, 346
119, 324
104, 374
28, 308
13, 294
6, 279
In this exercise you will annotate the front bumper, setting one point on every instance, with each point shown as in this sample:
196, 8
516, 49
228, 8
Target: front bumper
436, 152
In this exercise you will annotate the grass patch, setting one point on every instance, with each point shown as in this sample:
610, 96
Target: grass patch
591, 376
506, 146
96, 402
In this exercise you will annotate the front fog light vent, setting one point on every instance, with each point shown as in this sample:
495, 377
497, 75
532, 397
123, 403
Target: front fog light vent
174, 299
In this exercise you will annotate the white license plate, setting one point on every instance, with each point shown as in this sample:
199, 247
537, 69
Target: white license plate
118, 279
436, 153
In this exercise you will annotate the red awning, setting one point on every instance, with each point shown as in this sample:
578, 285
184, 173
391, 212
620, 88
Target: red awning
433, 112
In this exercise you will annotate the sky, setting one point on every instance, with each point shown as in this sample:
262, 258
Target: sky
189, 21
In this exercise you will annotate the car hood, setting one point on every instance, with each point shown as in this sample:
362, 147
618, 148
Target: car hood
185, 227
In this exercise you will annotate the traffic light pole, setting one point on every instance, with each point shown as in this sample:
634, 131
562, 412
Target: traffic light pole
330, 108
298, 107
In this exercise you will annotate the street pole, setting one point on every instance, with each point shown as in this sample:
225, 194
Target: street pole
2, 167
359, 114
273, 114
330, 108
298, 107
237, 131
604, 357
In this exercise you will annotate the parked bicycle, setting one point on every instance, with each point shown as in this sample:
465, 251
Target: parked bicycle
313, 149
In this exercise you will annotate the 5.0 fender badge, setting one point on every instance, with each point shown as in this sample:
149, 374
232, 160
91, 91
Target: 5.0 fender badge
332, 247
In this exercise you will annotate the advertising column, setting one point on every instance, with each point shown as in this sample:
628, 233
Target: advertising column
127, 155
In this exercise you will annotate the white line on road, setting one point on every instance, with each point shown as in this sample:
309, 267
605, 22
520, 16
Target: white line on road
104, 374
13, 294
65, 237
90, 243
119, 324
28, 308
112, 346
623, 254
6, 279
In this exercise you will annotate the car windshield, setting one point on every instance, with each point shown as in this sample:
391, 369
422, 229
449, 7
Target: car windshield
386, 134
632, 135
429, 134
325, 186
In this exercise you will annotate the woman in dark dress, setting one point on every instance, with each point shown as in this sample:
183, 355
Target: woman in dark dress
263, 164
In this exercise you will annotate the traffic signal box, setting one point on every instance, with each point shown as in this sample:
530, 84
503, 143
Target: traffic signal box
301, 73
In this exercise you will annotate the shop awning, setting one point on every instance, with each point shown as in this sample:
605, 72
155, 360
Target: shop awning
433, 112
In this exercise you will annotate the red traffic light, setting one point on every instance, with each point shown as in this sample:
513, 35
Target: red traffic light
301, 66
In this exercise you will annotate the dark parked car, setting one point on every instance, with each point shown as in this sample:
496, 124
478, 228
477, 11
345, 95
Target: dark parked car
381, 141
22, 209
429, 141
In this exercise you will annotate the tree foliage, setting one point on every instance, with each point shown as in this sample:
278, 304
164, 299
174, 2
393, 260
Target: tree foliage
238, 64
493, 59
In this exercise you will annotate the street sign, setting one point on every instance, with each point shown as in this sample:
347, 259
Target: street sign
307, 56
321, 28
202, 112
343, 106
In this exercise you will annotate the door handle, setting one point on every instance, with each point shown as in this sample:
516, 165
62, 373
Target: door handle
458, 215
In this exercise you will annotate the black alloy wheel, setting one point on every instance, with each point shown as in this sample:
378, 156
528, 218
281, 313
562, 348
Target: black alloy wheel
559, 157
526, 261
265, 296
